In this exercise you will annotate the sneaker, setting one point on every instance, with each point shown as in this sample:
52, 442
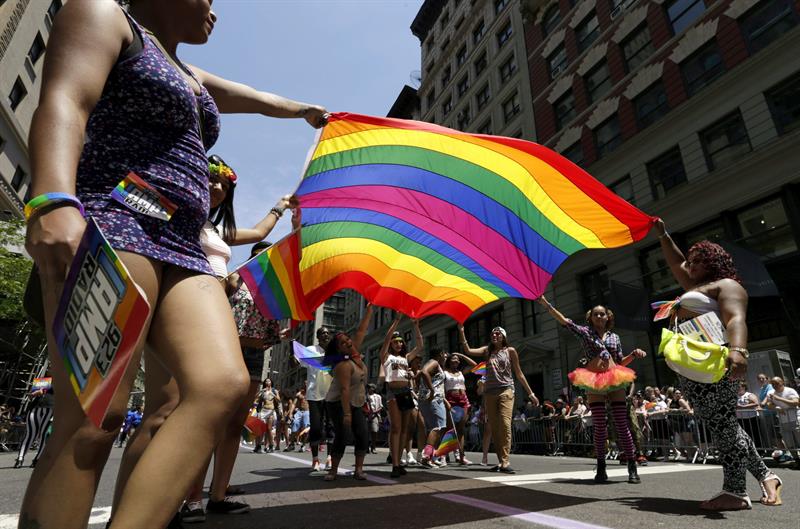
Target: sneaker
396, 472
404, 459
257, 450
642, 461
410, 461
193, 512
464, 461
327, 466
227, 506
441, 462
785, 458
427, 463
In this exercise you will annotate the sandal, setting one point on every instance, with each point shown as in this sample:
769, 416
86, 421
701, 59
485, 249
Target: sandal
764, 495
361, 476
744, 506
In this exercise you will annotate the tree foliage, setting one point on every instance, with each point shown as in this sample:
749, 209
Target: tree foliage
15, 266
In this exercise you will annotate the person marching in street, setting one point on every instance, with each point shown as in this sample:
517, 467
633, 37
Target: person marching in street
708, 276
502, 365
37, 422
375, 407
455, 389
318, 382
432, 403
267, 403
605, 377
395, 358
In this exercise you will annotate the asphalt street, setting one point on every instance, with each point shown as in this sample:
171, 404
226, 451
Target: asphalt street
553, 492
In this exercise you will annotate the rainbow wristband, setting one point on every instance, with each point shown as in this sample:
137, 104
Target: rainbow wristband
45, 200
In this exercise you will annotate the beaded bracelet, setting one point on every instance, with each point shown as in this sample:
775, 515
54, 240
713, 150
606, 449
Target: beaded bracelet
46, 200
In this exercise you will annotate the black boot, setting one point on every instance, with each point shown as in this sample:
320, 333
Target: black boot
633, 474
601, 476
17, 463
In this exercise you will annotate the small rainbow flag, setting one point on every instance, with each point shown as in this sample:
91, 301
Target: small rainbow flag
141, 197
479, 369
41, 384
429, 220
308, 358
664, 308
448, 444
273, 278
98, 323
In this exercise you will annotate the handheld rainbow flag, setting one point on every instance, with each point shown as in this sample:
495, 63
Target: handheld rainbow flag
99, 320
428, 220
479, 369
141, 197
449, 443
273, 279
41, 384
664, 308
308, 358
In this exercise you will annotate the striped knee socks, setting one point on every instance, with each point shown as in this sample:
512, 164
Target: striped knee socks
619, 411
600, 429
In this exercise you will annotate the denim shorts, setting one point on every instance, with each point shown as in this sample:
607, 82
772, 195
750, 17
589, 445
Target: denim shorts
301, 421
434, 413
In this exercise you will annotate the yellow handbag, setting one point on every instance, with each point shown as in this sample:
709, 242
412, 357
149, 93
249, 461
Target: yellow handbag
698, 361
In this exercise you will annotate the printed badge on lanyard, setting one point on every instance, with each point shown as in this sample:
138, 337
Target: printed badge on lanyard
141, 197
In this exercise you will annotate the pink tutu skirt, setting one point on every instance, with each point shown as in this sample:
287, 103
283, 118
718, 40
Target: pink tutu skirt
614, 378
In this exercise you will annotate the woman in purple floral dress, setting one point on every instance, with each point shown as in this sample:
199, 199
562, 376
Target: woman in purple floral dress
116, 99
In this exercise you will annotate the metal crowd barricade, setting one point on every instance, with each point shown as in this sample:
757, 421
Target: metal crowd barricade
11, 435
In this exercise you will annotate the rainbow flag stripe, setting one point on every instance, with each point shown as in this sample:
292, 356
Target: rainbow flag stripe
449, 443
429, 220
138, 195
274, 281
479, 369
308, 358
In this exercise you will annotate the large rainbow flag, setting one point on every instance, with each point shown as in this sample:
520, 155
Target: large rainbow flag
429, 220
273, 279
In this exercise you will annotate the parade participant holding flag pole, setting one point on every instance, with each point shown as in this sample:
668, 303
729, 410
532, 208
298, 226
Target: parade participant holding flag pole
456, 394
604, 377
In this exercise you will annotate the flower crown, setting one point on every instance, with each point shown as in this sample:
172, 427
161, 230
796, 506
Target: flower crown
223, 171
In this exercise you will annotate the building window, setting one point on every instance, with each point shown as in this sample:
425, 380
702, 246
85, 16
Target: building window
617, 6
595, 288
18, 93
55, 6
766, 22
683, 13
444, 19
447, 106
557, 61
766, 229
564, 109
483, 96
528, 311
666, 172
429, 44
445, 76
37, 49
430, 99
624, 189
480, 64
508, 69
511, 107
464, 118
702, 68
784, 103
18, 179
607, 136
574, 153
478, 32
637, 48
651, 105
598, 82
462, 86
587, 32
504, 35
461, 55
486, 128
551, 19
499, 5
656, 272
478, 328
725, 141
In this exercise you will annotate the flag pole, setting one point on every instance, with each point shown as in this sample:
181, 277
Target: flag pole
455, 430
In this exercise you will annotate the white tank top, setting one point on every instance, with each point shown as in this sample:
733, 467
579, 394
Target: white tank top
454, 381
699, 303
396, 368
217, 251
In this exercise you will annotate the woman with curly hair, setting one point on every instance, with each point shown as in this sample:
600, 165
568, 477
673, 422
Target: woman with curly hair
604, 377
708, 276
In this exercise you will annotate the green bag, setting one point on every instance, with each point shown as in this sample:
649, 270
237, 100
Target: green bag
698, 361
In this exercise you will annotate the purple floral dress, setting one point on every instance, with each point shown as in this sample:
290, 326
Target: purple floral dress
146, 121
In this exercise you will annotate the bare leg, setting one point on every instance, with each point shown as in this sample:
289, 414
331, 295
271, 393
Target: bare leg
76, 453
227, 450
161, 398
395, 432
194, 334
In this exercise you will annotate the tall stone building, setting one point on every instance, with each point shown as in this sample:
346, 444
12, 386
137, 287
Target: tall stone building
689, 109
25, 27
